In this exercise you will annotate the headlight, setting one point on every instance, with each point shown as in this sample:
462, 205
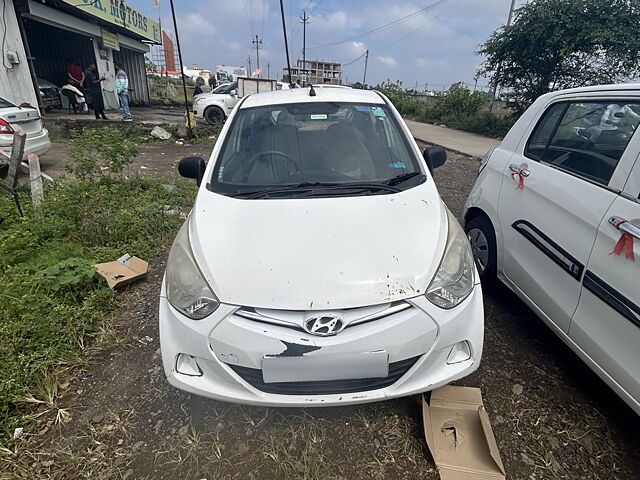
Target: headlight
454, 279
187, 290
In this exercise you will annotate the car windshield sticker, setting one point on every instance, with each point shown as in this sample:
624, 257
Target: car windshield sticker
220, 172
378, 112
363, 108
318, 116
398, 165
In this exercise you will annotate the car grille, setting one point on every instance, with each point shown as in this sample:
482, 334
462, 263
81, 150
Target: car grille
253, 376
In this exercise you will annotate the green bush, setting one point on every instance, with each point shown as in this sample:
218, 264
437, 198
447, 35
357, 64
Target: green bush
460, 108
51, 302
99, 152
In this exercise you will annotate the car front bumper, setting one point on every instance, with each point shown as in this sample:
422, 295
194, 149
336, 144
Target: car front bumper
229, 351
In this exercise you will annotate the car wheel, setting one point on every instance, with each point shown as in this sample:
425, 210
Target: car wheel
214, 115
482, 238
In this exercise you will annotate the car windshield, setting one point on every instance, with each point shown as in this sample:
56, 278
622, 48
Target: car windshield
324, 144
226, 88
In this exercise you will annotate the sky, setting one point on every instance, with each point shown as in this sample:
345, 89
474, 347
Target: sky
434, 48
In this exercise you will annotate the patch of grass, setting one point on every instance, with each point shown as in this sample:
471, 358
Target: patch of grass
52, 306
100, 452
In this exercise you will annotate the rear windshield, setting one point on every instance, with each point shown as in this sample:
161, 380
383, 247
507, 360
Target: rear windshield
325, 142
5, 104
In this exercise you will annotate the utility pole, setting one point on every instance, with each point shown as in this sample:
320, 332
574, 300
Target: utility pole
495, 84
257, 43
249, 61
184, 83
286, 42
305, 20
268, 70
366, 60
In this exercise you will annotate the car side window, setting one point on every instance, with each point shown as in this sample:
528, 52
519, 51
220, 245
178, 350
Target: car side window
586, 139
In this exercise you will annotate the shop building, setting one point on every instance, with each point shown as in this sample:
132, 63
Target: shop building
39, 38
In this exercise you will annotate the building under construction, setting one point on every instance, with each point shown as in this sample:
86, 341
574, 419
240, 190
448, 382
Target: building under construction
165, 57
314, 72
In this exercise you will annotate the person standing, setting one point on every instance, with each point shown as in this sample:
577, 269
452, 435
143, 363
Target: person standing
93, 82
122, 89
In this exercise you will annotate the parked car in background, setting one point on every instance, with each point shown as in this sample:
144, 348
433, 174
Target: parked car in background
50, 94
215, 107
15, 119
555, 215
319, 265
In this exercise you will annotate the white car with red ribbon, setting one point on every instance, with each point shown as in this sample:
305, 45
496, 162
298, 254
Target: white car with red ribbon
555, 215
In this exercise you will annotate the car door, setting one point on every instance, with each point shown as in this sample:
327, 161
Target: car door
559, 186
606, 324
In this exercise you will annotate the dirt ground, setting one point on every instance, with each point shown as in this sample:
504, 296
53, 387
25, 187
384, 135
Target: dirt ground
552, 417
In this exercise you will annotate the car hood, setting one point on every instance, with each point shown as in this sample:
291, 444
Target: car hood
319, 254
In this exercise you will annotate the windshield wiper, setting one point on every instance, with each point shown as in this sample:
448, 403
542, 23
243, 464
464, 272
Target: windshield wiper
398, 179
318, 188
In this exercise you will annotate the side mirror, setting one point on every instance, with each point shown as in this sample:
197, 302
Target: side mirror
192, 167
233, 93
435, 157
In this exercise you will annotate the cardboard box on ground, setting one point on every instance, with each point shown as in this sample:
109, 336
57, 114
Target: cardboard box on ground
122, 271
459, 435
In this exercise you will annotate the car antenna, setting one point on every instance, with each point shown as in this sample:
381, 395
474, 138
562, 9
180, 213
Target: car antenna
312, 92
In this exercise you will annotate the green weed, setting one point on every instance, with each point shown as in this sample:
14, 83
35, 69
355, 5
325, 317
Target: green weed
51, 303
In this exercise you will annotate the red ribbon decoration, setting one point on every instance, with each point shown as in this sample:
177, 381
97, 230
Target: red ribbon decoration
624, 243
521, 181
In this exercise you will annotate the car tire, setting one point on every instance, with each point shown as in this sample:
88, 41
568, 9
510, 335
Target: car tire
482, 237
214, 115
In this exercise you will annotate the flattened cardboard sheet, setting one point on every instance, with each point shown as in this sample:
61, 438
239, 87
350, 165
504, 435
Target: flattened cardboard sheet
459, 435
123, 271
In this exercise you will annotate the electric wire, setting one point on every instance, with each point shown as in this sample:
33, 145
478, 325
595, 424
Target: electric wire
384, 26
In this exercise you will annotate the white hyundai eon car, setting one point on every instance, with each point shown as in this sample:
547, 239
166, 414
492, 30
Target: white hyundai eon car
555, 215
319, 265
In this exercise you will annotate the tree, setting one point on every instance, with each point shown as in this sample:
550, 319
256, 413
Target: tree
200, 81
212, 81
149, 65
555, 44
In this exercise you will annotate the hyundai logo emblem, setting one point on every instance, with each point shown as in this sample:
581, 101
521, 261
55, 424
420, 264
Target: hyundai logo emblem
324, 325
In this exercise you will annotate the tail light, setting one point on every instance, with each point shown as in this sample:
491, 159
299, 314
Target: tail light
5, 128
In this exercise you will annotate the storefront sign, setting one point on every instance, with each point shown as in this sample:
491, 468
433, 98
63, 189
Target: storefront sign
110, 39
119, 13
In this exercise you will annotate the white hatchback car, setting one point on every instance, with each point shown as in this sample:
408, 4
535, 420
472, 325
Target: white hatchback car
555, 215
319, 265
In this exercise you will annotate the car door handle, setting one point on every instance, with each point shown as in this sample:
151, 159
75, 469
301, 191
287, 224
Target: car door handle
518, 169
625, 226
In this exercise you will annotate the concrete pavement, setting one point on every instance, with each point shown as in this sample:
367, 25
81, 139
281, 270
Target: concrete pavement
463, 142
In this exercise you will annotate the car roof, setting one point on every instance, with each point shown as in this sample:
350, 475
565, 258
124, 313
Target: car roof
301, 95
624, 87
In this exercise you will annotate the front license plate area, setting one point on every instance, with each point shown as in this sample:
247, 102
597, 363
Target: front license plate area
316, 368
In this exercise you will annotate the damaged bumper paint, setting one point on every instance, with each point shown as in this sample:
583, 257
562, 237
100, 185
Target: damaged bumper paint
230, 357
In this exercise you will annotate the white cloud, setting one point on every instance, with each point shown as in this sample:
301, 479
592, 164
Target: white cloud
195, 24
332, 23
390, 61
